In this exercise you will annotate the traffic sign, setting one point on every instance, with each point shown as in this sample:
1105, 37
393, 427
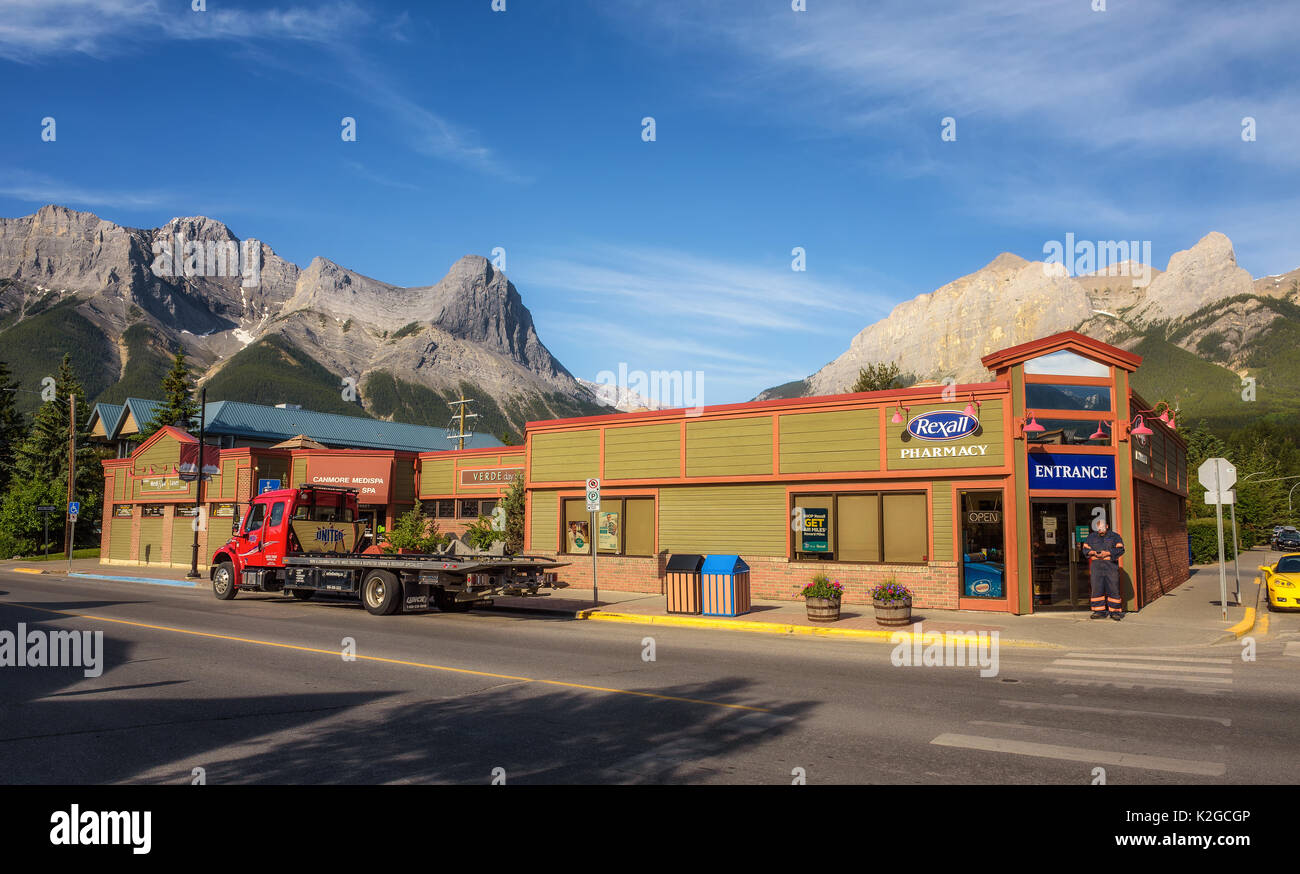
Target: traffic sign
1229, 497
47, 508
74, 508
267, 485
593, 495
1217, 473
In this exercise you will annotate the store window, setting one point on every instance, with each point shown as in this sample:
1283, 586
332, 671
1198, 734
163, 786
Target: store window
446, 509
868, 528
187, 512
468, 509
1060, 396
122, 511
151, 511
1066, 363
625, 526
982, 545
1070, 432
485, 508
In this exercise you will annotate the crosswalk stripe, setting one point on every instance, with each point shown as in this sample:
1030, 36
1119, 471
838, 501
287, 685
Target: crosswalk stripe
1112, 675
1149, 658
1188, 669
1112, 711
1076, 754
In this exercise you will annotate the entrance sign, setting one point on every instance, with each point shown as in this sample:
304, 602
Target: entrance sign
813, 535
1094, 473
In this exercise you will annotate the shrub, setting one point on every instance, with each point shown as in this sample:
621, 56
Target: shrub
890, 590
482, 533
1205, 541
414, 530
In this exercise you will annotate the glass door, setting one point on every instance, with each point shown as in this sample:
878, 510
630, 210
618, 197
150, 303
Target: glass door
1061, 577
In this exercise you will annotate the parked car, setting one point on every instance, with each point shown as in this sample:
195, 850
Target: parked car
1283, 579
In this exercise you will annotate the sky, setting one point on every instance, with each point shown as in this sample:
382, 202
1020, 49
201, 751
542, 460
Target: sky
523, 133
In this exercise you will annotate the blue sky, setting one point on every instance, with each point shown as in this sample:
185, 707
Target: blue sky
522, 130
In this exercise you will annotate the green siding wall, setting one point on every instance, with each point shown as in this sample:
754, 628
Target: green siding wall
119, 539
942, 520
151, 540
436, 476
567, 456
544, 531
847, 440
643, 451
730, 447
740, 519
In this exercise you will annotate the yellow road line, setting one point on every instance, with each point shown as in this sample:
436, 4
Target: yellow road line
779, 628
1261, 625
336, 653
26, 570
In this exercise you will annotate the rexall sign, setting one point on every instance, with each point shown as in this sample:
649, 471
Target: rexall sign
943, 425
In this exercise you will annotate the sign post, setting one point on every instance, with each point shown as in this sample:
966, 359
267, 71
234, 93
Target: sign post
593, 507
1218, 475
45, 510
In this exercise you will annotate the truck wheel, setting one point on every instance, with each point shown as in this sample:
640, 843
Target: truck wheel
302, 594
447, 602
381, 593
223, 581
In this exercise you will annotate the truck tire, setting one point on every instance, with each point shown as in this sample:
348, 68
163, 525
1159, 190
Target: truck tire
223, 581
303, 594
381, 593
447, 603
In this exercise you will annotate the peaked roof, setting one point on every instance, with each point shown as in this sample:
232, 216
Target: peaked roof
277, 424
1071, 340
107, 414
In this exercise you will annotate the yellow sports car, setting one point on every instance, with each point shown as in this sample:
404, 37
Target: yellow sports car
1283, 581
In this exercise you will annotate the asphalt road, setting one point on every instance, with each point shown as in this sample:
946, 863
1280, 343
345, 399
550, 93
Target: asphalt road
256, 691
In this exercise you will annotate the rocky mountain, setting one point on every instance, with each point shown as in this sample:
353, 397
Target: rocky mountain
1202, 323
259, 328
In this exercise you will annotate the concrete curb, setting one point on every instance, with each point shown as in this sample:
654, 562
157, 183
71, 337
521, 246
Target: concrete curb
595, 614
1248, 622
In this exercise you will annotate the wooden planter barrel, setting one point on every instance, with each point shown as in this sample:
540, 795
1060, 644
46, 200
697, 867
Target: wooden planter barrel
823, 609
893, 612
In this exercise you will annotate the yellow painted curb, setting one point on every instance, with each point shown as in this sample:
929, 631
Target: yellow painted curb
1245, 625
780, 628
27, 570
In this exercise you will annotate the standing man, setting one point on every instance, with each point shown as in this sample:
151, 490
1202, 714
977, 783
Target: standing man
1103, 549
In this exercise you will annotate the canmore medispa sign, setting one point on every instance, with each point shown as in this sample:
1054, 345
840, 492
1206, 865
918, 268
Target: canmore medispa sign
369, 476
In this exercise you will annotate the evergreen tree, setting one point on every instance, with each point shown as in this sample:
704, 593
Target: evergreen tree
878, 377
12, 426
178, 406
40, 470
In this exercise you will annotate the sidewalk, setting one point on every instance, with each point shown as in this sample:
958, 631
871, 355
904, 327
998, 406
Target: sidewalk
1187, 616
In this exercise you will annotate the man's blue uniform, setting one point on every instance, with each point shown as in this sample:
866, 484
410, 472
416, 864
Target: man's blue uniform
1104, 572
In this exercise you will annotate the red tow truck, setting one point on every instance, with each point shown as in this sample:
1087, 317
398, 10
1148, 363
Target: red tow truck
309, 539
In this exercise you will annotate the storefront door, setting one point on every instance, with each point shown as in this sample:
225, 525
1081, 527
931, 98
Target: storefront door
1059, 570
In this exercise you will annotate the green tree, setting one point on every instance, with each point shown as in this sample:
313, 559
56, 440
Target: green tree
12, 426
878, 377
178, 405
40, 469
512, 503
414, 530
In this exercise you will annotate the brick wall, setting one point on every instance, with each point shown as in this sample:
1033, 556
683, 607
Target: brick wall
933, 585
1162, 541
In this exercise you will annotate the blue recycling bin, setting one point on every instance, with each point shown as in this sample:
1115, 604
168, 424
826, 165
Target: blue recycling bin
725, 584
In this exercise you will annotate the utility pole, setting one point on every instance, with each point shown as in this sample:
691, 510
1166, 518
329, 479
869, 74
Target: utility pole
72, 477
458, 417
198, 486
